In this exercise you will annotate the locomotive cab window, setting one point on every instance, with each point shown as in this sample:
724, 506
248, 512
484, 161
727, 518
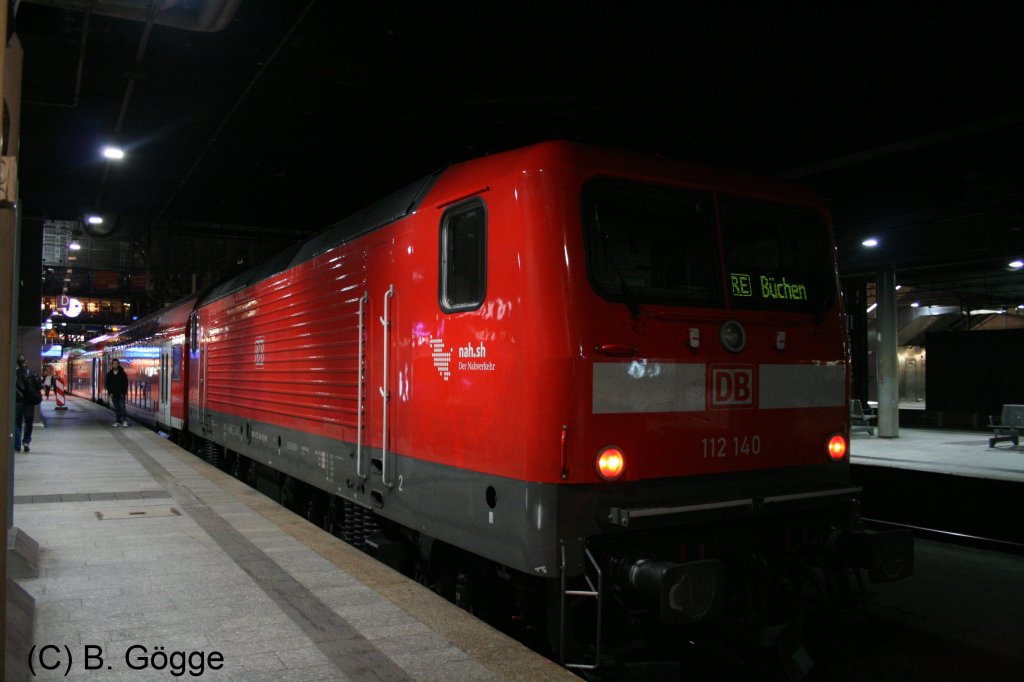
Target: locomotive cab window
650, 244
463, 250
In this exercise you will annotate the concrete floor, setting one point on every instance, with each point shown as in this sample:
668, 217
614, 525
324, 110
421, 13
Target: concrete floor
143, 544
965, 453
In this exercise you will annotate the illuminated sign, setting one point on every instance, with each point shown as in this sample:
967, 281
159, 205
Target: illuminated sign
769, 288
53, 352
781, 289
73, 307
741, 285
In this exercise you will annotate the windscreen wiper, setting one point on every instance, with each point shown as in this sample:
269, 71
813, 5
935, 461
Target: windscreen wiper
628, 297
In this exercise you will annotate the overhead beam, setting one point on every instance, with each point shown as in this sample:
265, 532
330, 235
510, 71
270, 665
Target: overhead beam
207, 17
911, 144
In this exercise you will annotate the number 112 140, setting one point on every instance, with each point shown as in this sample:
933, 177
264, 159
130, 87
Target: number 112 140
731, 446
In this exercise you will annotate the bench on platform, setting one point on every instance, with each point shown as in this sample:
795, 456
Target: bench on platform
861, 420
1008, 426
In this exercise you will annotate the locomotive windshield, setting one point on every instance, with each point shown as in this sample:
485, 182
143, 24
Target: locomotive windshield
648, 244
776, 256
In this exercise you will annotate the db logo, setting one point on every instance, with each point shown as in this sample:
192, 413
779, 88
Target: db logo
732, 386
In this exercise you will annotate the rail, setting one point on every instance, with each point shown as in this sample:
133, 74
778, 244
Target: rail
951, 537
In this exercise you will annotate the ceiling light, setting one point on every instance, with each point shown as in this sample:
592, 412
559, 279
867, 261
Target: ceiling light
871, 307
915, 304
74, 245
94, 220
1017, 264
870, 242
114, 153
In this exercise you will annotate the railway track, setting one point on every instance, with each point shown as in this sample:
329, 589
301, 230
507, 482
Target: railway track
945, 507
950, 537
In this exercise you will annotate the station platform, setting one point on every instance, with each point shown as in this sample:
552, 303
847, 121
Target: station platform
949, 482
961, 453
145, 550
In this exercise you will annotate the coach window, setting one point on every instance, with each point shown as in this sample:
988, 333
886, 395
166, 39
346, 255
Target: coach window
175, 363
463, 250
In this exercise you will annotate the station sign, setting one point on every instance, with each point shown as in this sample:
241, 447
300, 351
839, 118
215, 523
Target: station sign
72, 307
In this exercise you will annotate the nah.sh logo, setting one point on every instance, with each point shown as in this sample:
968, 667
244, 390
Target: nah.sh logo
732, 386
442, 358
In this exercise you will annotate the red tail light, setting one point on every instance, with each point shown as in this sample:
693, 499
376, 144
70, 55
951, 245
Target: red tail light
837, 448
610, 463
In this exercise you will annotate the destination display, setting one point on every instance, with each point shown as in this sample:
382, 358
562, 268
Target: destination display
772, 290
657, 245
744, 286
777, 257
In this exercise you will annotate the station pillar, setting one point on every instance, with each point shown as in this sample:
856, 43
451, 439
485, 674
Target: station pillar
887, 359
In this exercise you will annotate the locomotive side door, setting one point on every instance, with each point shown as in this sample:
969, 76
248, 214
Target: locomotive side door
97, 387
197, 373
163, 413
378, 465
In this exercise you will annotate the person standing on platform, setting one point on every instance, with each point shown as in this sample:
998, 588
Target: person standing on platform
117, 387
28, 393
47, 381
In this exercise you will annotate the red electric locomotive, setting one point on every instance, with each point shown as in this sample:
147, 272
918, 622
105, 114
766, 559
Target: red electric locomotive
613, 382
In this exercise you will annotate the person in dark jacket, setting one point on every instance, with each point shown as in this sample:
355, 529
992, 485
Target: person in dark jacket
117, 386
28, 394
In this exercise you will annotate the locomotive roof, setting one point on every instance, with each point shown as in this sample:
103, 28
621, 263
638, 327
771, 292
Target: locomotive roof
173, 314
408, 199
393, 207
389, 209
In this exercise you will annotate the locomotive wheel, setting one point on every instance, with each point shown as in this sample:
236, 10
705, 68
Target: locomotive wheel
446, 583
472, 584
329, 524
444, 567
313, 506
286, 492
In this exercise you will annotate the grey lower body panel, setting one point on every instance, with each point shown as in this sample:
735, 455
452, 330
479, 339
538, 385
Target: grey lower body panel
443, 502
528, 522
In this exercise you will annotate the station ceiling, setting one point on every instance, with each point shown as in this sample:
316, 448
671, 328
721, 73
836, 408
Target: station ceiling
277, 117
